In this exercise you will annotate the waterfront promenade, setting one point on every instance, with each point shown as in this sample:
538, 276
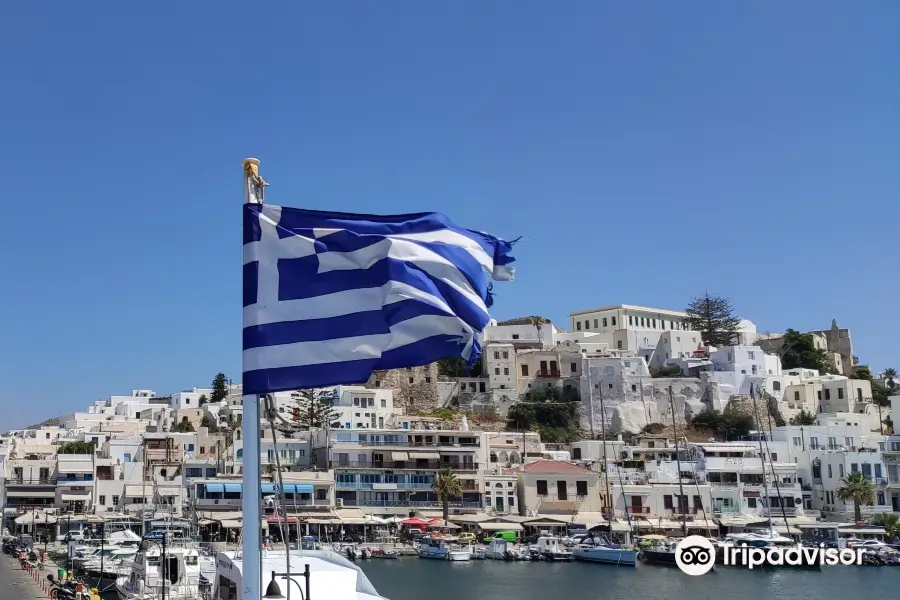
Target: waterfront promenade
16, 584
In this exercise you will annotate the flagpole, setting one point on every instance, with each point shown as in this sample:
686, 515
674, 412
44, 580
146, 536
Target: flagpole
251, 538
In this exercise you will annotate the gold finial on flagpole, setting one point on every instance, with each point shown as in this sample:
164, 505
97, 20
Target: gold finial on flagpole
255, 185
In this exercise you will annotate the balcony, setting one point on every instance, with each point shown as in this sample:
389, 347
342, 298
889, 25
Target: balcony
408, 504
549, 373
726, 510
786, 511
406, 465
403, 485
639, 510
406, 443
14, 480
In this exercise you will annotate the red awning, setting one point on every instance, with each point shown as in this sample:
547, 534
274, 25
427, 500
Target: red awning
290, 520
415, 522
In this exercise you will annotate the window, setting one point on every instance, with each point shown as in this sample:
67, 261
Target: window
574, 367
877, 471
819, 395
541, 485
126, 458
776, 386
859, 396
496, 355
614, 321
840, 393
880, 498
633, 387
854, 467
190, 447
751, 502
630, 320
578, 326
505, 354
524, 370
796, 441
841, 471
496, 370
428, 380
411, 380
751, 354
830, 474
604, 321
796, 396
667, 502
102, 500
115, 500
619, 344
595, 323
515, 336
506, 370
581, 488
774, 457
481, 387
827, 395
383, 403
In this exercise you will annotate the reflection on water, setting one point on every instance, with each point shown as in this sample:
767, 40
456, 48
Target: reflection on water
415, 579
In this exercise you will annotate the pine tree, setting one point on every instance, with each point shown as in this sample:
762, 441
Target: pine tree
219, 388
316, 408
713, 317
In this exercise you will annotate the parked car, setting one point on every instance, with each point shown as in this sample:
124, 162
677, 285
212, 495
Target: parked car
71, 536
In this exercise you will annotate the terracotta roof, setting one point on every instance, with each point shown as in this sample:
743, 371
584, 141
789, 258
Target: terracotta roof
554, 466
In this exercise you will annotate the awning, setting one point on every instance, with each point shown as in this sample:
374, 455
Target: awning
38, 518
298, 488
40, 494
276, 520
233, 487
74, 466
424, 455
500, 527
142, 491
542, 523
205, 522
230, 524
400, 456
76, 497
267, 488
215, 487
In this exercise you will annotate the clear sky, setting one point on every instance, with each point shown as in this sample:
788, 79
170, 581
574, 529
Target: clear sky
646, 152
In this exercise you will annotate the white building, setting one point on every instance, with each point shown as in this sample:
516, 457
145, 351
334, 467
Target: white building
630, 328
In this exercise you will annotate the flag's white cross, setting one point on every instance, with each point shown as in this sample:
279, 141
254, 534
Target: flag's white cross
269, 249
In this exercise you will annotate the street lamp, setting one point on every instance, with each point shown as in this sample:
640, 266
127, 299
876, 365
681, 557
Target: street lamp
273, 590
164, 571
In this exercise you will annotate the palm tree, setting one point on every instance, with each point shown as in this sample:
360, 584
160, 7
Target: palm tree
859, 489
890, 377
447, 486
890, 522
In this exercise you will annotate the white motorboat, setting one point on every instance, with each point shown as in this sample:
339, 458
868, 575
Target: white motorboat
499, 549
551, 548
330, 575
443, 548
182, 579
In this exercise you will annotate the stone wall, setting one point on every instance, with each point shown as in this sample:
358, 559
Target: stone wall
630, 412
414, 387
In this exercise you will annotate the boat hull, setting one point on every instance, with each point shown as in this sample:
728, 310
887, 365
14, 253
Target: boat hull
610, 556
659, 557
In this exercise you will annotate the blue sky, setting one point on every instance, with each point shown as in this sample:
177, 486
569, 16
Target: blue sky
646, 152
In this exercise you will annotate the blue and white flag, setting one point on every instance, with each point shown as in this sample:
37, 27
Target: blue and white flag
331, 297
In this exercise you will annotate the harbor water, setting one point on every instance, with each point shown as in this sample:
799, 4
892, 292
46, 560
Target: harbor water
416, 579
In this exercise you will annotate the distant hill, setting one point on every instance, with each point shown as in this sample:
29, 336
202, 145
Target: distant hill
523, 321
52, 422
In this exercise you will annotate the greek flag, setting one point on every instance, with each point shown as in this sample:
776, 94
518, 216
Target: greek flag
330, 297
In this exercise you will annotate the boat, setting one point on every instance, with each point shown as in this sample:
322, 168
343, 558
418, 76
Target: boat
596, 547
551, 548
500, 549
183, 579
382, 552
659, 552
330, 575
442, 548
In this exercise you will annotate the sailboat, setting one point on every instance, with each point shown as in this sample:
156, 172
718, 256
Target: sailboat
662, 552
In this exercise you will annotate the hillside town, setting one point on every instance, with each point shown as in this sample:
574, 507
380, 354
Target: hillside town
628, 416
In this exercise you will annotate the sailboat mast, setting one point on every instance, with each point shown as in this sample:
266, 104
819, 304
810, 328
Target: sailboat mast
762, 456
677, 463
612, 510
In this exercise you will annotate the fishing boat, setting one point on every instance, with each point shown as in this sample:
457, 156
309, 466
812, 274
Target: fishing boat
330, 575
443, 548
551, 548
183, 574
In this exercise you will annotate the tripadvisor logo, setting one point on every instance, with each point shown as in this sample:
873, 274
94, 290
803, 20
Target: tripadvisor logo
695, 555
